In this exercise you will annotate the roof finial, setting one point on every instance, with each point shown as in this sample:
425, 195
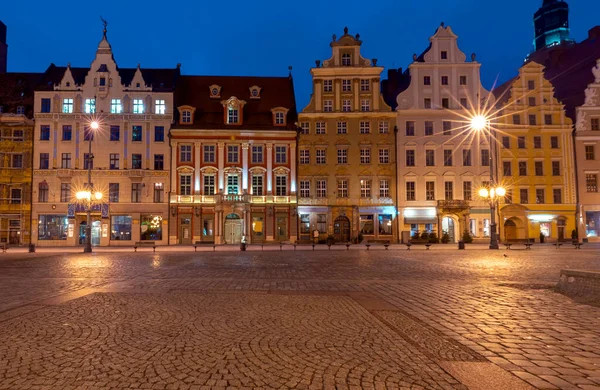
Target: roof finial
442, 24
104, 22
345, 30
290, 69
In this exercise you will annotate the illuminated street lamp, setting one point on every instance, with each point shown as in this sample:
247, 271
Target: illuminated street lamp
86, 195
480, 123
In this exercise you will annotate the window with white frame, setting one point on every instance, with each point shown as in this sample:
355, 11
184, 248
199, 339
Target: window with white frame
384, 156
185, 153
209, 153
321, 188
67, 106
304, 156
304, 127
346, 85
365, 127
186, 116
365, 188
384, 188
232, 115
327, 85
342, 156
138, 106
209, 185
280, 154
257, 184
320, 128
279, 118
346, 59
342, 127
185, 185
257, 154
365, 155
327, 105
280, 185
365, 105
365, 85
410, 190
342, 190
115, 106
304, 188
384, 127
320, 156
160, 107
233, 184
90, 106
346, 105
232, 154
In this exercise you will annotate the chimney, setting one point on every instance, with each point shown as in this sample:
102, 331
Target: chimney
3, 49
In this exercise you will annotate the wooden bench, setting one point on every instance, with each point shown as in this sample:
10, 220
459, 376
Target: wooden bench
577, 245
140, 244
201, 243
558, 245
4, 247
508, 245
528, 245
410, 243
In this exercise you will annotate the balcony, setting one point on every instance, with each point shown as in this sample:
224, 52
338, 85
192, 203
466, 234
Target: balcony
456, 204
231, 198
198, 199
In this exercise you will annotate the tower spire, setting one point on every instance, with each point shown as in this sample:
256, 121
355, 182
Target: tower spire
105, 23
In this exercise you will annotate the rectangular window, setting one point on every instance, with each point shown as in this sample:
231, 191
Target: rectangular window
346, 85
557, 195
53, 227
427, 103
65, 161
322, 223
232, 115
46, 104
113, 192
280, 154
516, 119
591, 182
444, 80
384, 156
410, 128
43, 192
506, 142
384, 127
327, 105
463, 80
120, 227
209, 153
365, 188
320, 128
279, 118
342, 191
590, 152
115, 133
280, 185
522, 168
595, 124
430, 158
426, 80
44, 133
540, 196
531, 101
410, 158
327, 85
464, 103
232, 154
384, 188
346, 105
304, 156
385, 224
446, 128
448, 190
67, 132
88, 134
136, 161
555, 168
44, 160
151, 227
185, 153
485, 157
554, 142
537, 142
342, 127
321, 156
321, 188
16, 160
365, 127
523, 196
136, 133
160, 107
521, 142
67, 106
539, 168
428, 128
15, 196
532, 119
548, 119
232, 184
209, 185
158, 193
114, 161
159, 162
90, 106
410, 191
185, 185
365, 85
507, 168
115, 106
365, 156
467, 190
138, 106
342, 156
466, 157
304, 189
365, 105
430, 190
508, 197
159, 134
88, 161
445, 103
305, 128
447, 157
530, 85
65, 192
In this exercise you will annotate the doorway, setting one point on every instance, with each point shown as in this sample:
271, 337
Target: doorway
281, 228
185, 230
448, 227
510, 230
233, 229
341, 229
96, 231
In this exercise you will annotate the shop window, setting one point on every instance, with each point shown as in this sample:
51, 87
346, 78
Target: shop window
304, 223
322, 223
53, 227
120, 227
151, 227
385, 224
366, 224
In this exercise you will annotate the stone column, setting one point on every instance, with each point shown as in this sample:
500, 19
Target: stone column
197, 184
269, 169
376, 93
356, 93
221, 165
245, 168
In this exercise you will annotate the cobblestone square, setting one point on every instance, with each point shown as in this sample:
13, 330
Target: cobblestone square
439, 319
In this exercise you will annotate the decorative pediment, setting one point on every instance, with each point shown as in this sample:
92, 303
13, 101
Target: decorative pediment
365, 171
185, 170
138, 80
67, 82
255, 92
449, 173
467, 174
233, 102
431, 174
342, 142
214, 91
208, 170
430, 144
232, 170
410, 174
411, 144
281, 171
257, 170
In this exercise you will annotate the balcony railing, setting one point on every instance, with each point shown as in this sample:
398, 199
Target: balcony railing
231, 198
453, 204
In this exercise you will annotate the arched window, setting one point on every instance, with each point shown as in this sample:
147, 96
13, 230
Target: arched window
346, 59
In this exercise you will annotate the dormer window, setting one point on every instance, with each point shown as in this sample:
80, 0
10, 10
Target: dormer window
233, 110
232, 115
68, 84
186, 117
186, 114
138, 106
215, 91
279, 116
255, 92
21, 110
346, 59
138, 85
444, 55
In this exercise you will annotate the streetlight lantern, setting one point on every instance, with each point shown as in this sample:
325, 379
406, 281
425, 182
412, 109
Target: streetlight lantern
479, 122
94, 125
483, 193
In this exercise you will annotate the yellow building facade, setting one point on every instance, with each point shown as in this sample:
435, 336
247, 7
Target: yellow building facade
536, 160
346, 146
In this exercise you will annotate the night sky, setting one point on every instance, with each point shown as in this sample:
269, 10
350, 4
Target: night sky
264, 37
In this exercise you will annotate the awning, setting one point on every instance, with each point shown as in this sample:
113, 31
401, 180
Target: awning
420, 215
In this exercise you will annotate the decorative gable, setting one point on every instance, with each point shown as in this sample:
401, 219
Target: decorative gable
215, 91
255, 92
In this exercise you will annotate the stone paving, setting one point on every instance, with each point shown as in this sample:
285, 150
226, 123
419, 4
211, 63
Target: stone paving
296, 319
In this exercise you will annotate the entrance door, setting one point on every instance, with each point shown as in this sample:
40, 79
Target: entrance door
233, 229
341, 229
448, 226
185, 230
510, 230
96, 231
281, 228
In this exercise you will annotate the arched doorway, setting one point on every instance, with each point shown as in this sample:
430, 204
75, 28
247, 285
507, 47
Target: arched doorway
510, 230
341, 229
448, 226
233, 229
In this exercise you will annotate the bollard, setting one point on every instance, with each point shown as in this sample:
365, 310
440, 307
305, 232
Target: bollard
461, 245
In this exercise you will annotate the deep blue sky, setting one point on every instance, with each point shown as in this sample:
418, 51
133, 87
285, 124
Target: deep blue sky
263, 37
